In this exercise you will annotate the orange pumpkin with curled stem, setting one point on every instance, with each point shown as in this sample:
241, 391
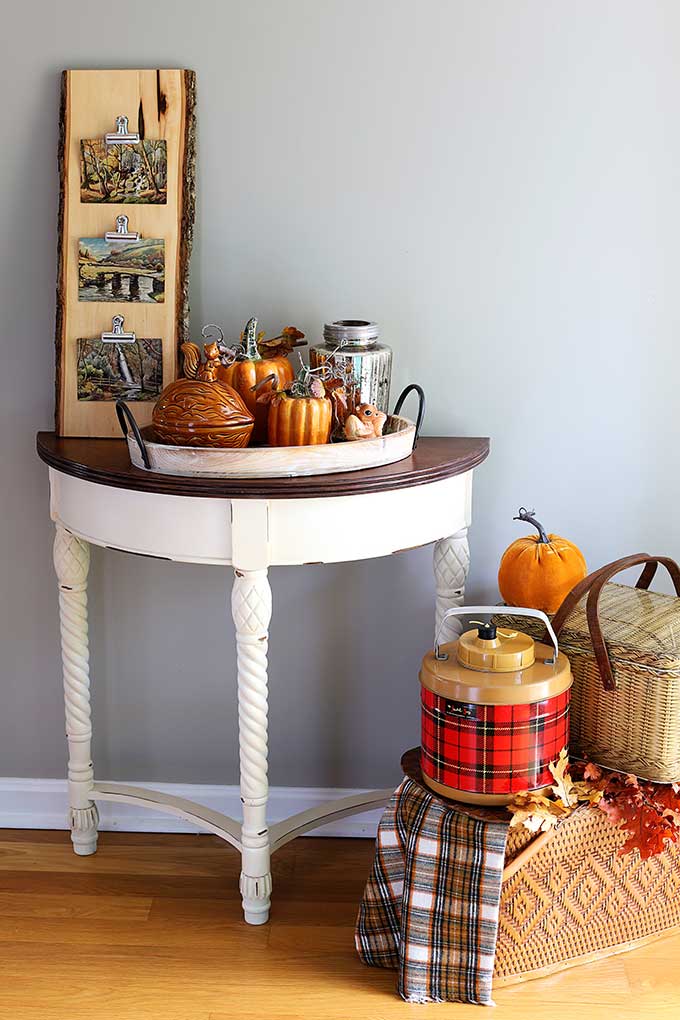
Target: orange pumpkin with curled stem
539, 571
300, 415
250, 368
299, 421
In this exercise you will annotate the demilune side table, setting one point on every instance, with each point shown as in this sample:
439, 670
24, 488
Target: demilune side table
97, 497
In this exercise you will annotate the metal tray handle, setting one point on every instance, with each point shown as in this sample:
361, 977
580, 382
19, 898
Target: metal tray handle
421, 407
125, 418
506, 611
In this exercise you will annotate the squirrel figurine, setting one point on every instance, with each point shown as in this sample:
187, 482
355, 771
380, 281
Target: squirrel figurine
193, 369
367, 422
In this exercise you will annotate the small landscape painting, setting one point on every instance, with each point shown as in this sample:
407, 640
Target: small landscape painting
121, 270
131, 370
128, 172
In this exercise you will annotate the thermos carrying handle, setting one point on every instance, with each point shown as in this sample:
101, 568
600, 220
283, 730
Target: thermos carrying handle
507, 611
421, 407
125, 418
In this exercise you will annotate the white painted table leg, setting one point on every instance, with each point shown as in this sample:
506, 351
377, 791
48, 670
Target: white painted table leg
451, 566
251, 606
72, 562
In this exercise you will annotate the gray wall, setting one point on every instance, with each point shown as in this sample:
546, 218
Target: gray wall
497, 184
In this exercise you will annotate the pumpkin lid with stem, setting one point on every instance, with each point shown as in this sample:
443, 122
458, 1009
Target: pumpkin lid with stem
252, 346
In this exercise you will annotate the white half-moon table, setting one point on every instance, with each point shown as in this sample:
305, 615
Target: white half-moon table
97, 497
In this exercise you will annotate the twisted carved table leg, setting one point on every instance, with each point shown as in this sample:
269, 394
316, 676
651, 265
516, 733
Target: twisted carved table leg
251, 606
71, 562
451, 565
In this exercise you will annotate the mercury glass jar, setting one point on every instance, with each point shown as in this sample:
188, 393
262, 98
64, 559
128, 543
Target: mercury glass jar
351, 349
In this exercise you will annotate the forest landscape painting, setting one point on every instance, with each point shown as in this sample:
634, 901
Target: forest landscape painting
110, 370
121, 270
127, 172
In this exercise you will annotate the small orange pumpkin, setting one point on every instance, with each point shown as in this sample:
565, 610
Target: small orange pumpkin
539, 571
299, 421
243, 375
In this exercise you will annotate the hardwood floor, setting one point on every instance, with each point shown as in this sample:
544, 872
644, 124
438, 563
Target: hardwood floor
150, 927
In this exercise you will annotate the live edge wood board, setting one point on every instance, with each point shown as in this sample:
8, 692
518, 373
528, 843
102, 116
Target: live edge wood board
159, 104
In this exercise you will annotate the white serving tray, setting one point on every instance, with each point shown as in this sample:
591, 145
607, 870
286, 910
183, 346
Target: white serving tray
275, 461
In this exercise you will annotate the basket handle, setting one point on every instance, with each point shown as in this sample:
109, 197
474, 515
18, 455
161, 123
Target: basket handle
125, 418
593, 584
421, 407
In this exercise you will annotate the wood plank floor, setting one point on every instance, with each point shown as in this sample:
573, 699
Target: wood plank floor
150, 927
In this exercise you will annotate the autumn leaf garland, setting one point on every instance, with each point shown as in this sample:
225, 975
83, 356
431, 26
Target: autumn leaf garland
648, 813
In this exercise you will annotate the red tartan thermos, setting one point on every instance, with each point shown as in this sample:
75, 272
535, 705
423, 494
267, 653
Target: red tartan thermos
495, 711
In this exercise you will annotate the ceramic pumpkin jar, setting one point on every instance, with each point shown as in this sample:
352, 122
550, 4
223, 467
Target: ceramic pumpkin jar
539, 571
299, 421
250, 369
199, 410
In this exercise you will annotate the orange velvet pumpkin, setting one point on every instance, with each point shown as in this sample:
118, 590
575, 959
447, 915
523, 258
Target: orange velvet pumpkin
299, 421
538, 571
243, 375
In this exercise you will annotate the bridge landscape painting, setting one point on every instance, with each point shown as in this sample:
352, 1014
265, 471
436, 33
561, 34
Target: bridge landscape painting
121, 270
132, 370
129, 172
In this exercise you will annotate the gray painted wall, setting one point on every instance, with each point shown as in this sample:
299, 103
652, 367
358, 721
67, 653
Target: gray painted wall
497, 184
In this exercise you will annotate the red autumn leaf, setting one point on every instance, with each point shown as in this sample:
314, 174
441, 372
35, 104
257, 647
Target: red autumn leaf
644, 811
667, 801
619, 805
647, 832
647, 813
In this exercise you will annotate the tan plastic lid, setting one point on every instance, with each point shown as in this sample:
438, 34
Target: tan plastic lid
510, 669
510, 650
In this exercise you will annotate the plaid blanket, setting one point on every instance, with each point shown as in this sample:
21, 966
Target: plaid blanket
430, 907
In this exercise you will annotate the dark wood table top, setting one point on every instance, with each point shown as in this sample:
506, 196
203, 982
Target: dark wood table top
107, 462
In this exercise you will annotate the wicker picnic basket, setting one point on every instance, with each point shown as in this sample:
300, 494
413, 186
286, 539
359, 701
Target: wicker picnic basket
569, 898
621, 642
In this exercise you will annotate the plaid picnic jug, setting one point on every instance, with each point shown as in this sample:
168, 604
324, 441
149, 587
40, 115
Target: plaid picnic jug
495, 710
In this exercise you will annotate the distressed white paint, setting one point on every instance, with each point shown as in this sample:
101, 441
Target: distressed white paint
251, 609
451, 561
72, 563
261, 533
277, 532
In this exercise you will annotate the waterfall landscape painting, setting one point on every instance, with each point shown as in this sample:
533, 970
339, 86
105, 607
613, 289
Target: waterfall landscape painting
128, 172
132, 370
121, 270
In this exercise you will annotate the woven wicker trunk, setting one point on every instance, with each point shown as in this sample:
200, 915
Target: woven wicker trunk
569, 898
627, 639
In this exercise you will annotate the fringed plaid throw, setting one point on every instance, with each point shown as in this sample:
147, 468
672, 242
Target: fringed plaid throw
430, 907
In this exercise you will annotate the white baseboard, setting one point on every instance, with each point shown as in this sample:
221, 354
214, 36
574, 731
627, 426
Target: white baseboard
42, 804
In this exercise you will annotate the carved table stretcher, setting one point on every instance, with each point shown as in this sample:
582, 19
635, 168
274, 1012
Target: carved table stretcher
97, 497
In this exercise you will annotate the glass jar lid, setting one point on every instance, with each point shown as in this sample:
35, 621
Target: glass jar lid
351, 332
